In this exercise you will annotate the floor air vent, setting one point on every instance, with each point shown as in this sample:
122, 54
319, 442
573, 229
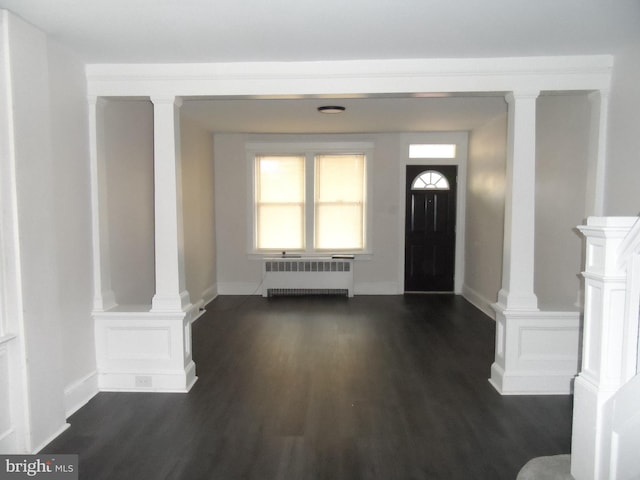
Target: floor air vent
303, 276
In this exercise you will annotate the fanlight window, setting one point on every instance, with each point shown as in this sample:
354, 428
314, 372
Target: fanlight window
430, 180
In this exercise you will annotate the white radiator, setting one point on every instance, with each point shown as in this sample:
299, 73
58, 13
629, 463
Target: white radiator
307, 276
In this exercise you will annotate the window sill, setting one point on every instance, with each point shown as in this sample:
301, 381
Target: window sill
363, 256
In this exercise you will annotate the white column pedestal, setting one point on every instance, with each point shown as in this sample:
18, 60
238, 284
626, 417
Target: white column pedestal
536, 352
142, 351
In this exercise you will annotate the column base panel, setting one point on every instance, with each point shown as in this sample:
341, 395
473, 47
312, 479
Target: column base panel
531, 383
170, 382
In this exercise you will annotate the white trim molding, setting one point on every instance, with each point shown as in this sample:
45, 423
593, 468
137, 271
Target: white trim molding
80, 392
476, 299
589, 72
210, 294
461, 140
51, 438
374, 288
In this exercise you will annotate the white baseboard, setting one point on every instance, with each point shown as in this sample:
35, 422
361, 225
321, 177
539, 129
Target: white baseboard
210, 294
531, 383
198, 310
243, 288
80, 392
479, 301
162, 381
239, 288
8, 441
375, 288
51, 438
536, 352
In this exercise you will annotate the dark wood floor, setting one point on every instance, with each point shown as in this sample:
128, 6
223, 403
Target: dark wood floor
326, 388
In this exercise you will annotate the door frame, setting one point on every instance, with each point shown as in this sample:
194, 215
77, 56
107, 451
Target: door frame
461, 140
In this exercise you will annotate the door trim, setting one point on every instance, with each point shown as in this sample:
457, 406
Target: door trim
461, 141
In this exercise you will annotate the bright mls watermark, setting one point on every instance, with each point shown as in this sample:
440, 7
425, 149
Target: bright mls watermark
52, 467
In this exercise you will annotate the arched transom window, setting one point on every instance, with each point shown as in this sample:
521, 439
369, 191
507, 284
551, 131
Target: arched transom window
430, 180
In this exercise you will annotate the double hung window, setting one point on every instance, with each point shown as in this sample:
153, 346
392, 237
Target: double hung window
310, 202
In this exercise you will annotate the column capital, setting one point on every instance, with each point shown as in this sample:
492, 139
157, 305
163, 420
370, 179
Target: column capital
511, 97
95, 100
602, 94
165, 100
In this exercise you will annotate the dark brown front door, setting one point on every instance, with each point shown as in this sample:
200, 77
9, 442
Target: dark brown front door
430, 228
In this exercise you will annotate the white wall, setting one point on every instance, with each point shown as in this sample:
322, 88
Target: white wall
47, 111
377, 276
237, 274
71, 209
128, 148
485, 213
562, 137
622, 194
37, 229
198, 207
13, 418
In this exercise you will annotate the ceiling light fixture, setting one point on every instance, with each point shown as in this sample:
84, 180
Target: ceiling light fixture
331, 109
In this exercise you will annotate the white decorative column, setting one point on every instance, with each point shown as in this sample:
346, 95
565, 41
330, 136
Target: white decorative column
596, 161
103, 296
516, 295
519, 222
171, 294
536, 352
604, 362
138, 349
599, 106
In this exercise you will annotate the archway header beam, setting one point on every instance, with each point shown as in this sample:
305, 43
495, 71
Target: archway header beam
357, 77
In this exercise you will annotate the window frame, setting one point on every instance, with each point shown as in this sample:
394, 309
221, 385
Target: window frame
427, 186
309, 150
258, 203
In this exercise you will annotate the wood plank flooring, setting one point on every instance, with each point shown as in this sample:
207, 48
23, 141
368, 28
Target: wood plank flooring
389, 387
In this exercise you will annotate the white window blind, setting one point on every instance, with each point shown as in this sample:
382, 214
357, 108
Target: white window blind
280, 202
339, 202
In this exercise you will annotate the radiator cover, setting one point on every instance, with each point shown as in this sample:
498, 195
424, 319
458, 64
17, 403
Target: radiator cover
307, 276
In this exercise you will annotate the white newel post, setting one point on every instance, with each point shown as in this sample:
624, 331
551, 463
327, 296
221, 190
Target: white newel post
171, 294
103, 296
606, 361
516, 297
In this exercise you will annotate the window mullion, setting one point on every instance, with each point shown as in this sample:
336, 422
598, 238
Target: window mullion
310, 221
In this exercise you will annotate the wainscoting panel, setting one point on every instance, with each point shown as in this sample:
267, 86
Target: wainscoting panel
542, 355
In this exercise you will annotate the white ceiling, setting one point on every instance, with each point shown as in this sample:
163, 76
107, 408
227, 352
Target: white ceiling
176, 31
362, 115
153, 31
